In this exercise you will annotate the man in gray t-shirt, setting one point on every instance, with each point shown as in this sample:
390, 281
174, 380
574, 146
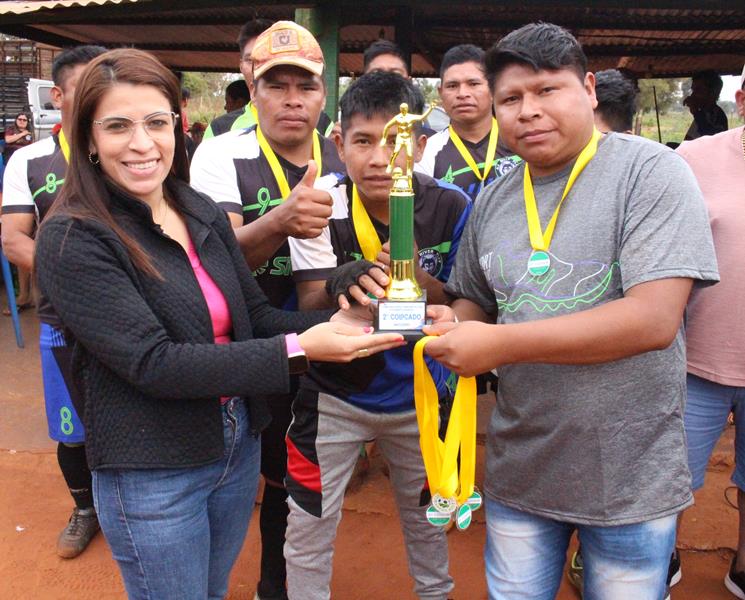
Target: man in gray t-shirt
588, 339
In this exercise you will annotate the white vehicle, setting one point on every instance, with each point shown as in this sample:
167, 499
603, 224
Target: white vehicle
43, 114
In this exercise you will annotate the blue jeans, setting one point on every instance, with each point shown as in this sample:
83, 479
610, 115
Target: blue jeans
706, 412
177, 532
525, 556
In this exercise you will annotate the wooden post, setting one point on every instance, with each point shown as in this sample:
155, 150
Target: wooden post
404, 30
323, 22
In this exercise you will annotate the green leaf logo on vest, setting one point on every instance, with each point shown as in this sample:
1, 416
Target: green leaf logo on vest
538, 263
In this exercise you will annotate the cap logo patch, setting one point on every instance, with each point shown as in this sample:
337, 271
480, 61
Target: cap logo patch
284, 40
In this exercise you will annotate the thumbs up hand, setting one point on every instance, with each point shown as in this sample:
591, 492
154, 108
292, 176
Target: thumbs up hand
306, 210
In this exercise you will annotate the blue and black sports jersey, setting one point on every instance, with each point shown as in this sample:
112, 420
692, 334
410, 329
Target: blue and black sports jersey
232, 170
383, 382
33, 180
442, 161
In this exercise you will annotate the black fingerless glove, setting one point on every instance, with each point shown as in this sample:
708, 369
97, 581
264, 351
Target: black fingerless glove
346, 276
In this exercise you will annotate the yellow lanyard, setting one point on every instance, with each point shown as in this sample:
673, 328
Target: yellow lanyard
279, 174
64, 145
364, 229
541, 240
441, 458
491, 150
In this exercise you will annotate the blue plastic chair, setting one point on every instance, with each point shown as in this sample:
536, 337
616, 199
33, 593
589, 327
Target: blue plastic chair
8, 278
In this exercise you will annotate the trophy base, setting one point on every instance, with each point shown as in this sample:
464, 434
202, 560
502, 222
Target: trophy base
405, 317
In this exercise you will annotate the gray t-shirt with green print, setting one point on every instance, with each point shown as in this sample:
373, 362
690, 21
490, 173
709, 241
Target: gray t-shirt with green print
596, 444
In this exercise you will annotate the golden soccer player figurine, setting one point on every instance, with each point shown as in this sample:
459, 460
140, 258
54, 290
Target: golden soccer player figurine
404, 123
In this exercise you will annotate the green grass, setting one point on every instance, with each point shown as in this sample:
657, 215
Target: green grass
673, 125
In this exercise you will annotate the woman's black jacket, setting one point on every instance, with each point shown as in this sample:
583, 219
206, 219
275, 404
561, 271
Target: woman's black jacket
145, 363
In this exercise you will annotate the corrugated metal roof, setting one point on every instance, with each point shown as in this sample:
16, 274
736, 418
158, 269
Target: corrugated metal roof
661, 40
17, 8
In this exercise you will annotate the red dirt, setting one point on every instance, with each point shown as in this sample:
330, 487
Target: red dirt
370, 561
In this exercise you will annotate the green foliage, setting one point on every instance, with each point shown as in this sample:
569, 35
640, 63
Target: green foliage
669, 96
207, 94
428, 87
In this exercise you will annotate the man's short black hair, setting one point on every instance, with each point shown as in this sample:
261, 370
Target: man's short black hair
539, 46
238, 90
379, 93
457, 55
617, 99
250, 30
70, 58
711, 80
379, 48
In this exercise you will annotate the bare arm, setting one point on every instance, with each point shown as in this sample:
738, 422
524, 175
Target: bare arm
467, 310
646, 319
18, 245
303, 214
312, 295
14, 137
258, 240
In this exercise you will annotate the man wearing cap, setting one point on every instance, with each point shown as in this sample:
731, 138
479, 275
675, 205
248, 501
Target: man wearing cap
272, 179
715, 347
245, 116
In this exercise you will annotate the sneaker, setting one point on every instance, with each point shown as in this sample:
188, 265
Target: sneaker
575, 571
81, 528
735, 582
674, 574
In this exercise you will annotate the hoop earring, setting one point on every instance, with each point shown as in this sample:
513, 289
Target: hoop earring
93, 158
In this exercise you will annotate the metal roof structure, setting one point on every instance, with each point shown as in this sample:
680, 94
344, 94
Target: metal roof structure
653, 39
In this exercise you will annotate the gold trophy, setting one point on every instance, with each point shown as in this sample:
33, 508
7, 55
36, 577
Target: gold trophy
404, 307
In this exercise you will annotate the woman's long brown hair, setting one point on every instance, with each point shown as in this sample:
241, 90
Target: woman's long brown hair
84, 194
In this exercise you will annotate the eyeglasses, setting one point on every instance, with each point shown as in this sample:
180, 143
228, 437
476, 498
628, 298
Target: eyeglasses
21, 119
157, 126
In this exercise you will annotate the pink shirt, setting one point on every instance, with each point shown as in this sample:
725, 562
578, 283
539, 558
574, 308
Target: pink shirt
715, 331
222, 324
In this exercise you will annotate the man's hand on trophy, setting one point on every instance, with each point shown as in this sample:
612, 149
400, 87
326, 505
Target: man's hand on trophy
306, 211
439, 313
351, 282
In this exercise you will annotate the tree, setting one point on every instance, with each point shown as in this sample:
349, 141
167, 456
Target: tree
669, 96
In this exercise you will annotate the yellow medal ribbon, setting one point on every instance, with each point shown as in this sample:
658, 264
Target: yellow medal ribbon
491, 150
364, 228
279, 174
541, 240
64, 145
441, 458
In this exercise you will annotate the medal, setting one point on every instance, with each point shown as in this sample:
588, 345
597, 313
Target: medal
271, 158
538, 263
463, 517
437, 518
364, 229
446, 505
475, 500
491, 151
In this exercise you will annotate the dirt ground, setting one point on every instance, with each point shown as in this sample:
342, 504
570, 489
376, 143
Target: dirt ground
369, 561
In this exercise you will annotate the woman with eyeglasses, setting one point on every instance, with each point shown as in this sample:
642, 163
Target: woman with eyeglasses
17, 136
173, 338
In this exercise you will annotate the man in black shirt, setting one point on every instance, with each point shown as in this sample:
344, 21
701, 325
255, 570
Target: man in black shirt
272, 180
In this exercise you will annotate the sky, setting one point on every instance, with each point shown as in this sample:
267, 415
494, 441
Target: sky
731, 85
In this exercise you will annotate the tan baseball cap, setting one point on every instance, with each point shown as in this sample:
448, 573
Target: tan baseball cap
287, 43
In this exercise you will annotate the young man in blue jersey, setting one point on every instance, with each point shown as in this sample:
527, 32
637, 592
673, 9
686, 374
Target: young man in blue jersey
337, 409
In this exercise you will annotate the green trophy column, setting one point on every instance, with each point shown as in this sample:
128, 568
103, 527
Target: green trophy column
402, 227
403, 284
